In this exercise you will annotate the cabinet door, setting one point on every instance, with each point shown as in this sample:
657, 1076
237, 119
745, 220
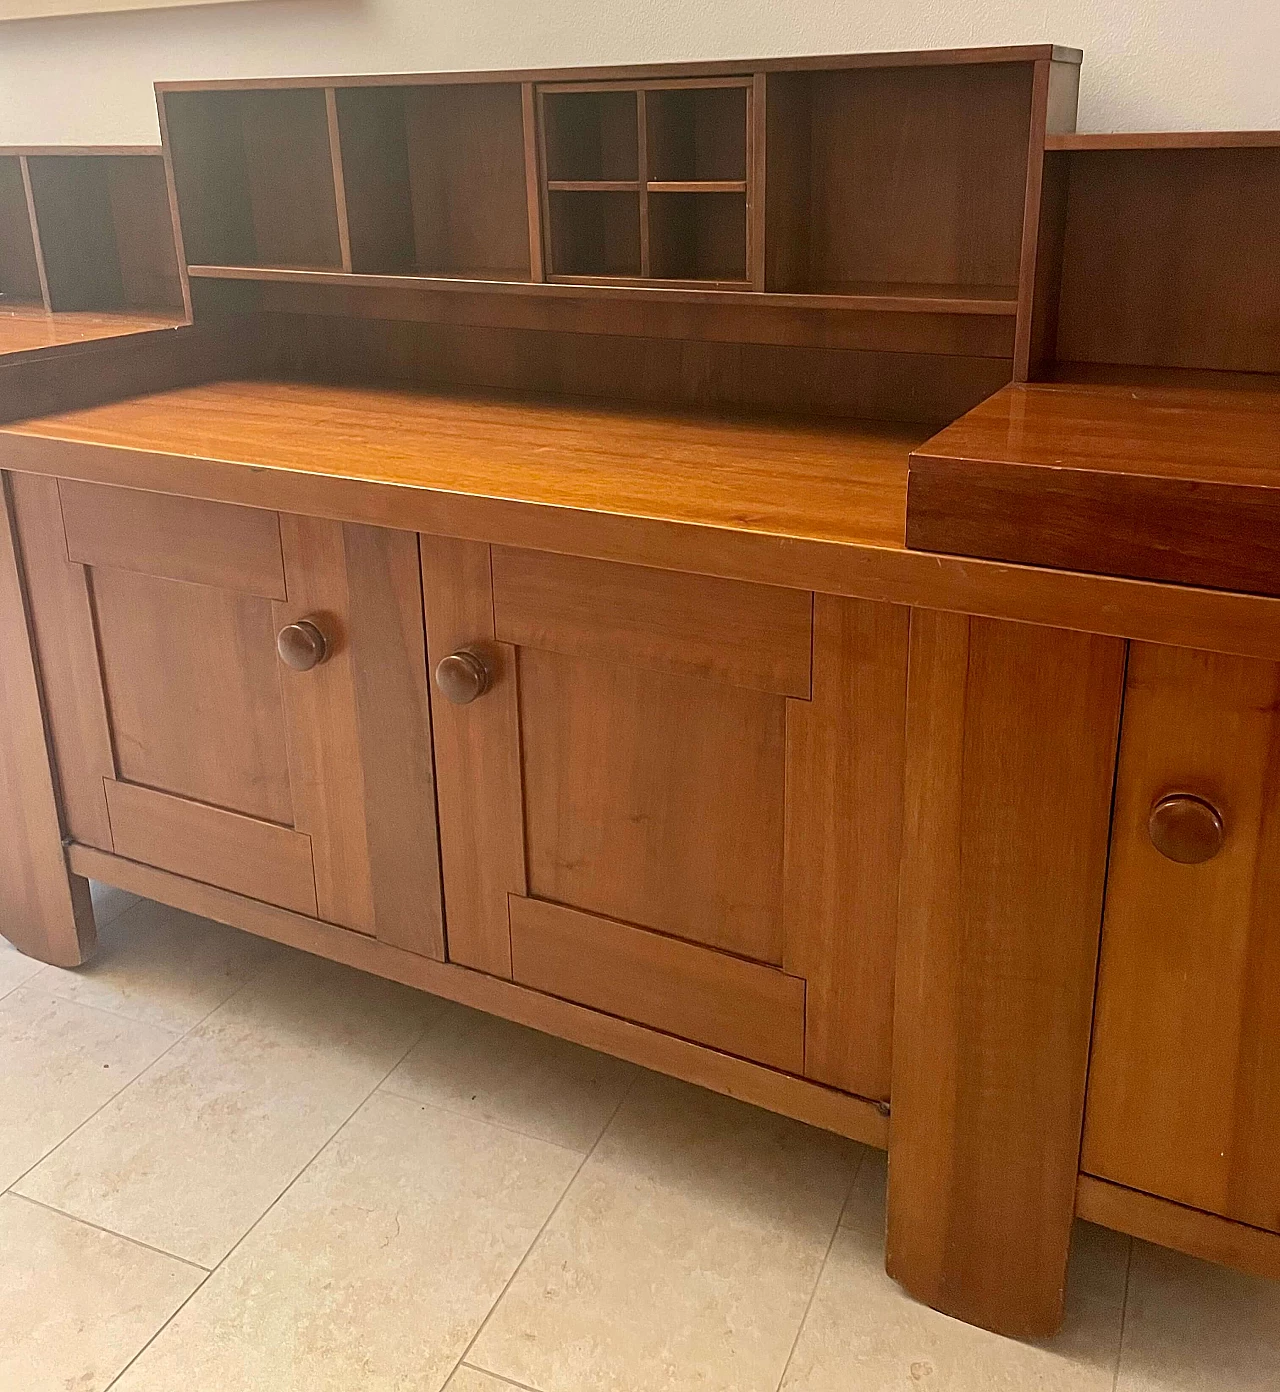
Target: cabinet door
1184, 1083
184, 741
615, 826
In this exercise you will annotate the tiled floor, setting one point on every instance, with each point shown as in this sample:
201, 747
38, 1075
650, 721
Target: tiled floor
227, 1166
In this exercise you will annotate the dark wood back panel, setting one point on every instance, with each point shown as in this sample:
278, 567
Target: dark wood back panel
1171, 258
930, 388
19, 272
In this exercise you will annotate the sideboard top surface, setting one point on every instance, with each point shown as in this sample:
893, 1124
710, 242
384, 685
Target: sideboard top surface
1200, 433
836, 480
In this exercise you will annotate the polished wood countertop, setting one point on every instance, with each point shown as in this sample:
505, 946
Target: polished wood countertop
838, 481
1165, 482
812, 504
28, 328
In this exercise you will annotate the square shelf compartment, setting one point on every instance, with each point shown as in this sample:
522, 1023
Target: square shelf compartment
105, 232
435, 180
591, 137
897, 180
696, 134
595, 233
698, 236
255, 178
19, 273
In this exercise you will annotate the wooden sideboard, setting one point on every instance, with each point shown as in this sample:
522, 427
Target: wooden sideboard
537, 576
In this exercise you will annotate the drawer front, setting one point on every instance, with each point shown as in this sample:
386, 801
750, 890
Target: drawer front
1185, 1068
711, 998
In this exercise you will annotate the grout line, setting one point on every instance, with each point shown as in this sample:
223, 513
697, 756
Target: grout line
485, 1120
257, 1222
32, 983
497, 1377
826, 1256
57, 1145
199, 1287
1124, 1317
111, 1232
484, 1323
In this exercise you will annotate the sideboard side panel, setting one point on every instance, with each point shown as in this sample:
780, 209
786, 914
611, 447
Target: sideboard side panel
45, 910
1011, 739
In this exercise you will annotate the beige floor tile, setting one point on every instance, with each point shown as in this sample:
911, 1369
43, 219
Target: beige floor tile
683, 1255
60, 1062
481, 1066
473, 1380
77, 1304
163, 966
192, 1155
863, 1333
1193, 1327
109, 902
15, 968
375, 1269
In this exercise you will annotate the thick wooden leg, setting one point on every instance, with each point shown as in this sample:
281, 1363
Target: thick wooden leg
1011, 739
45, 910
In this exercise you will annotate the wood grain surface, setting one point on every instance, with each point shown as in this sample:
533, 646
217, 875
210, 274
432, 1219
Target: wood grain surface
1186, 1055
1011, 739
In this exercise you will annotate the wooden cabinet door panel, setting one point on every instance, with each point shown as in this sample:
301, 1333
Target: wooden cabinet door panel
181, 739
242, 854
679, 800
845, 758
1184, 1081
655, 799
192, 691
478, 778
709, 997
757, 636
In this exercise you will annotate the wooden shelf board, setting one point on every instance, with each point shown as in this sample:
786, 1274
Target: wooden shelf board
932, 299
26, 327
42, 151
697, 186
593, 185
1164, 140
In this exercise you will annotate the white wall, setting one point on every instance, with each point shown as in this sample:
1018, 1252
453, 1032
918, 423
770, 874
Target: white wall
1149, 64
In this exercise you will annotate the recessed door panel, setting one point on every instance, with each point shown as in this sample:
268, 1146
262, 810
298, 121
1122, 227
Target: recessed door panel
655, 799
193, 691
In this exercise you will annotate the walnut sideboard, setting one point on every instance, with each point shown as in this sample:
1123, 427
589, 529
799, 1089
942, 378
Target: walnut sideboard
613, 641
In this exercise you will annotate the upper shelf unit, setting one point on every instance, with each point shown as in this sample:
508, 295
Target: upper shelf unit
1161, 252
904, 182
87, 229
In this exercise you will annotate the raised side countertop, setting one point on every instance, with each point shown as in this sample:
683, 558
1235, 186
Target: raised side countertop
26, 328
1177, 483
813, 504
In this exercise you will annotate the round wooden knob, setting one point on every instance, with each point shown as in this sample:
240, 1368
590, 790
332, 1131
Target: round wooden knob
463, 676
301, 645
1186, 828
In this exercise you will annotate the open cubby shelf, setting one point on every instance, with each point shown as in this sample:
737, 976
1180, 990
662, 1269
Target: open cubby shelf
84, 231
898, 187
647, 182
434, 180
